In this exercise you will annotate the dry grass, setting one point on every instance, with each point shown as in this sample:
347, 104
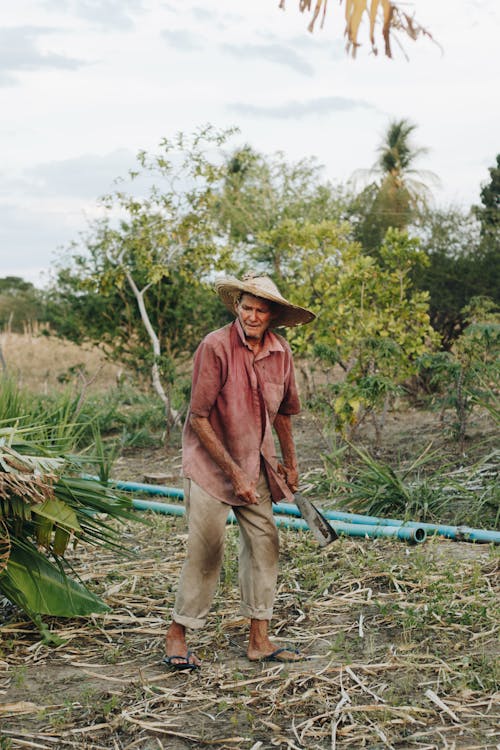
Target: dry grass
39, 362
402, 643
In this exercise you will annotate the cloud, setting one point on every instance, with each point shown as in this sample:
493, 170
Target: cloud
115, 14
309, 44
181, 40
203, 14
86, 176
29, 240
19, 53
313, 107
221, 17
45, 208
276, 53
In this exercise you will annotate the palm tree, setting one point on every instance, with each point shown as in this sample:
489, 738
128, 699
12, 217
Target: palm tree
385, 12
397, 190
397, 156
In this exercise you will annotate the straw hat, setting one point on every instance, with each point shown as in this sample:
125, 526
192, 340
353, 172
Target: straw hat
230, 290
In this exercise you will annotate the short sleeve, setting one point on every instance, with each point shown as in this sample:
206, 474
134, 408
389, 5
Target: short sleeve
208, 379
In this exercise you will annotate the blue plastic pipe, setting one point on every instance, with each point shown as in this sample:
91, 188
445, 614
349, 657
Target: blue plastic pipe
457, 533
150, 489
417, 535
413, 535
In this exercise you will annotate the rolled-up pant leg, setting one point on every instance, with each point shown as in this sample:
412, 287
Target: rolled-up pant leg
205, 549
259, 551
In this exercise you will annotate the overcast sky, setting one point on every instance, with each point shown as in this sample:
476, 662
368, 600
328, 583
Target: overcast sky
85, 84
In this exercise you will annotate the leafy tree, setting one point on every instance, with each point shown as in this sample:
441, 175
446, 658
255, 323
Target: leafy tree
371, 323
143, 265
20, 303
464, 253
489, 213
454, 274
398, 192
260, 193
470, 372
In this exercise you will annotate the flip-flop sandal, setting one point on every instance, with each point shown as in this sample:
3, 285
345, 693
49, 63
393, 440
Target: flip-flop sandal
181, 665
275, 655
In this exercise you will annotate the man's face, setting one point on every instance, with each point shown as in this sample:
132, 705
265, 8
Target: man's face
255, 316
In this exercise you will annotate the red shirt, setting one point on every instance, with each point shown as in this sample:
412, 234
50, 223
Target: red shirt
225, 388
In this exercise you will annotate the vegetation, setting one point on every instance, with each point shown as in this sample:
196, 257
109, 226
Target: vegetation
406, 316
45, 505
165, 236
470, 372
372, 324
20, 304
397, 191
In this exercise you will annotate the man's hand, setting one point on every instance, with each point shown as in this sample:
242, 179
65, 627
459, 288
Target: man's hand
290, 475
244, 489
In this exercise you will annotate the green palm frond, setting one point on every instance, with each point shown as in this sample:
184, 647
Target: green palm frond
44, 506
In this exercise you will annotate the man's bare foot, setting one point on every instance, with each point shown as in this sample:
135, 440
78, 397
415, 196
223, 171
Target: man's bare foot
176, 647
261, 648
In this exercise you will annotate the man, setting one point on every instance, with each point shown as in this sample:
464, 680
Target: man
243, 385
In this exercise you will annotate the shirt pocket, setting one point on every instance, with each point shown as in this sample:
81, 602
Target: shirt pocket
273, 396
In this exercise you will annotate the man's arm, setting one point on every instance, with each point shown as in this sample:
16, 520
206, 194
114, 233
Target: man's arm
243, 488
289, 469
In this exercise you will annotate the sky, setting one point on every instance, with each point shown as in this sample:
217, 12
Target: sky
86, 84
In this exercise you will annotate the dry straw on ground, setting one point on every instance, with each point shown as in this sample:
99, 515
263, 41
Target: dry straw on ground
402, 644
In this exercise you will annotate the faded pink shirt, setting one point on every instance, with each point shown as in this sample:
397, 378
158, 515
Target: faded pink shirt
226, 377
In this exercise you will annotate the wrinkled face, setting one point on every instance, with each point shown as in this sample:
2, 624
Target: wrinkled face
255, 315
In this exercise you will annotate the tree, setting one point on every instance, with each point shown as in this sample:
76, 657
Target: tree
371, 322
489, 213
469, 373
450, 237
464, 253
398, 192
20, 303
387, 13
260, 193
158, 253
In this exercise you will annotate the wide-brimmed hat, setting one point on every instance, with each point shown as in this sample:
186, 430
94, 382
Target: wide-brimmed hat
230, 290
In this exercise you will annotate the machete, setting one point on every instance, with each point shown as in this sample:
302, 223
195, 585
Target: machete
323, 532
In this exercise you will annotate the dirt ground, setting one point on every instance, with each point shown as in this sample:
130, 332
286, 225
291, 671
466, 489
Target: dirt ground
402, 640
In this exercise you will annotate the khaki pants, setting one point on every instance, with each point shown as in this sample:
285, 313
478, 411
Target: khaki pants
258, 555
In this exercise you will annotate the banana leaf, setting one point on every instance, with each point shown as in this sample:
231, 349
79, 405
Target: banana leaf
39, 587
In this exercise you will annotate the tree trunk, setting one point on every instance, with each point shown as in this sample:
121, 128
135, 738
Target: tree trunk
171, 415
305, 369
